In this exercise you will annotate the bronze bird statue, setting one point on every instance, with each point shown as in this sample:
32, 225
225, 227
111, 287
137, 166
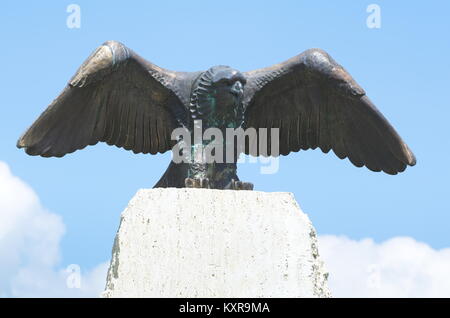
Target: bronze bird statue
119, 98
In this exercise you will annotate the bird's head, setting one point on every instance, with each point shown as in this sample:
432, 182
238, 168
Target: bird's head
217, 96
227, 86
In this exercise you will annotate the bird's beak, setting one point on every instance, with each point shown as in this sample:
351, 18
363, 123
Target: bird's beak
237, 88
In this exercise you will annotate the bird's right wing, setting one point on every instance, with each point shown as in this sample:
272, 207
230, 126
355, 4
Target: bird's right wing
115, 97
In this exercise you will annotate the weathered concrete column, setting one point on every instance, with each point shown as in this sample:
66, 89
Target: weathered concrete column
215, 243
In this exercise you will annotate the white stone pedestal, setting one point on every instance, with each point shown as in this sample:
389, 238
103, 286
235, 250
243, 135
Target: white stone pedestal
215, 243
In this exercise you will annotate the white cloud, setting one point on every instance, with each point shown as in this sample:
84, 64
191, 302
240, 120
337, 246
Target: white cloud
398, 267
30, 247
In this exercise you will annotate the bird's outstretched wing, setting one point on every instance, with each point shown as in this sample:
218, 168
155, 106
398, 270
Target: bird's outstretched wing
115, 97
315, 103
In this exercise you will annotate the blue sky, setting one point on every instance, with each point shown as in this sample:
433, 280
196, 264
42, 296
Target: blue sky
403, 66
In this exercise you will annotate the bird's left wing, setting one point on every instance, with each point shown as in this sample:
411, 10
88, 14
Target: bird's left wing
116, 97
315, 103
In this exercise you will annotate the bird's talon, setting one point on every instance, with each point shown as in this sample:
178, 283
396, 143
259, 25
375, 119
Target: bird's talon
240, 185
200, 183
189, 182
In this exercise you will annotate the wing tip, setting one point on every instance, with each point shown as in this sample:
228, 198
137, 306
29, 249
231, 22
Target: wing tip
412, 159
32, 151
20, 143
408, 156
23, 144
